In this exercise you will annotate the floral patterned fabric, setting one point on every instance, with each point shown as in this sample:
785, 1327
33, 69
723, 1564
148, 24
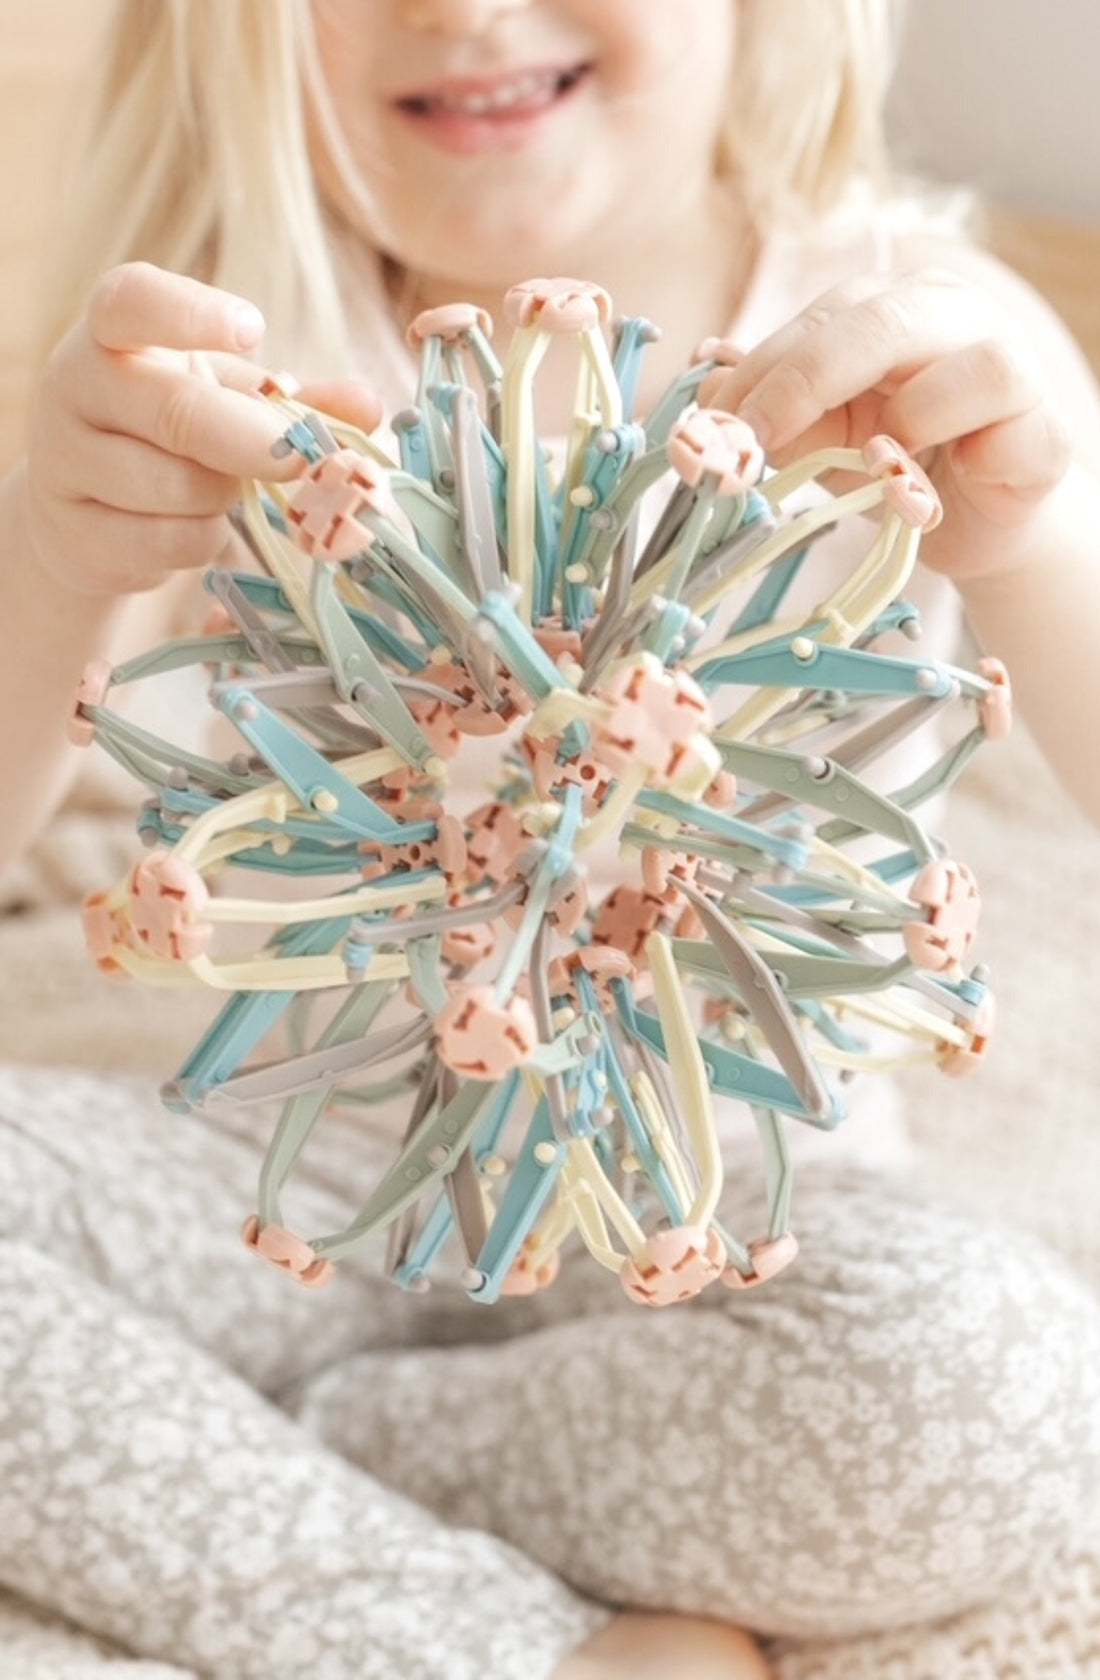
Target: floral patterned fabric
220, 1471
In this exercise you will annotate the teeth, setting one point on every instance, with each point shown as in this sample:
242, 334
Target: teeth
525, 91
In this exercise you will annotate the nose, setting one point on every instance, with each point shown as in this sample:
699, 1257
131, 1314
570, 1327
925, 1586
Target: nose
456, 17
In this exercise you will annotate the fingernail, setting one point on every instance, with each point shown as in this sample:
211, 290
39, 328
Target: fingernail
248, 325
761, 425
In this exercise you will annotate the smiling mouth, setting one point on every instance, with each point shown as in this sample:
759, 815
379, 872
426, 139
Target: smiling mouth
500, 99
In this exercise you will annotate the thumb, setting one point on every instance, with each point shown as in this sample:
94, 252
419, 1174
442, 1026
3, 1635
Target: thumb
350, 400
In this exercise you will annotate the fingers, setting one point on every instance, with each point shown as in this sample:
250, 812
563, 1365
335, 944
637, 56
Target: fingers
993, 481
142, 478
926, 358
735, 387
136, 305
730, 386
158, 359
148, 416
176, 406
158, 363
981, 385
125, 553
1023, 457
236, 373
851, 341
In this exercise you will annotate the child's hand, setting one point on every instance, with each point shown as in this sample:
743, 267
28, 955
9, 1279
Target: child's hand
935, 362
142, 431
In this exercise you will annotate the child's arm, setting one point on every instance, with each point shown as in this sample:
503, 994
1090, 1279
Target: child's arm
964, 364
135, 458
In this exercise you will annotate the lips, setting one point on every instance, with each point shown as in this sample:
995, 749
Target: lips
486, 113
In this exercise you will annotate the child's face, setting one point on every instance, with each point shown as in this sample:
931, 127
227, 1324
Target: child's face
502, 138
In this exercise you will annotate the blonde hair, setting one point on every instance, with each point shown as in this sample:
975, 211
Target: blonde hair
198, 157
806, 119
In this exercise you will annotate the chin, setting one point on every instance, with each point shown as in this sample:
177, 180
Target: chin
482, 252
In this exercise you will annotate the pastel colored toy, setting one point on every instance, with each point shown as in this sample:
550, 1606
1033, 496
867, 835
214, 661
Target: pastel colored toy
684, 893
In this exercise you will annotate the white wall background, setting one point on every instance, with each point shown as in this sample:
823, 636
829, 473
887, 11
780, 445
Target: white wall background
1004, 95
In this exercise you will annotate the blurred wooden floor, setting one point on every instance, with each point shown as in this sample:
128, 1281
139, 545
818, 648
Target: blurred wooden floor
1062, 260
48, 43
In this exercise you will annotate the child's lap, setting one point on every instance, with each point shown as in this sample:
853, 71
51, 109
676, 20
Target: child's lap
95, 1171
913, 1359
888, 1432
148, 1204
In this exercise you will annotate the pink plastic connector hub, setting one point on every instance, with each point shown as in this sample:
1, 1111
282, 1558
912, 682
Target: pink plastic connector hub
769, 1255
438, 724
446, 852
558, 642
167, 898
567, 912
656, 715
451, 322
954, 903
290, 1253
322, 512
92, 691
995, 708
722, 792
662, 871
626, 918
585, 770
103, 930
470, 944
718, 446
557, 306
958, 1060
603, 963
525, 1279
494, 840
906, 486
679, 1264
483, 1039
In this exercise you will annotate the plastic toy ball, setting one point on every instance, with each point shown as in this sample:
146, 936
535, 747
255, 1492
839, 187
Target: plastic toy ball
591, 829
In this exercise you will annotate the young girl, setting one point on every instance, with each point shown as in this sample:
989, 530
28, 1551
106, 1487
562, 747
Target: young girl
226, 1473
